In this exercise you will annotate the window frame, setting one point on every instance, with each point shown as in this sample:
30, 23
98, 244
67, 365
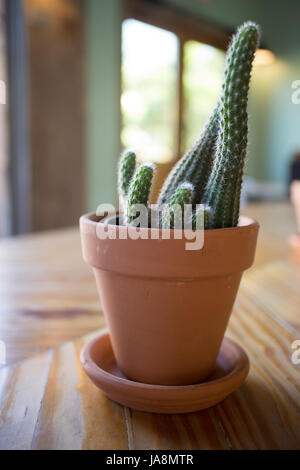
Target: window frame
186, 28
20, 167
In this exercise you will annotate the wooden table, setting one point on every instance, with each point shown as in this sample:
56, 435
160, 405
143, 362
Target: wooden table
50, 309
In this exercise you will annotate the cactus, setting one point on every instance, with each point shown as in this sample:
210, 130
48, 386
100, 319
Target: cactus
222, 193
174, 210
139, 190
126, 171
195, 165
200, 217
211, 173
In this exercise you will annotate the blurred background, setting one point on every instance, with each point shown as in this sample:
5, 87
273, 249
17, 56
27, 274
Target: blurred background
80, 80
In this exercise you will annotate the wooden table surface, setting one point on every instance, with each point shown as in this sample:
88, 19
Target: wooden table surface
49, 309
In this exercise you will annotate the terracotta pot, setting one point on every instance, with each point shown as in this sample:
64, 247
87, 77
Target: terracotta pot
167, 308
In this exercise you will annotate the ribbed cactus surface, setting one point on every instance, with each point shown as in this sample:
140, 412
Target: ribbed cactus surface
200, 217
222, 193
195, 165
211, 173
173, 213
127, 167
139, 190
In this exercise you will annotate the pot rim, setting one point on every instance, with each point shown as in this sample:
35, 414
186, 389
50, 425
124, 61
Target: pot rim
244, 223
219, 252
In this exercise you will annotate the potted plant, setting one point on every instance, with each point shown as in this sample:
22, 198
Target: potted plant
167, 307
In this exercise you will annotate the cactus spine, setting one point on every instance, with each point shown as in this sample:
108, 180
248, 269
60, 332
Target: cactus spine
126, 171
200, 217
195, 165
139, 190
211, 173
173, 213
222, 193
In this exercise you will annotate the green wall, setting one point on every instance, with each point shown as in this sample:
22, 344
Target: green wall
103, 57
274, 120
274, 123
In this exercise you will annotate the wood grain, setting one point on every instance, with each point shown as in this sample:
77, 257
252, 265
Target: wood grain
277, 222
69, 412
49, 303
263, 414
47, 402
48, 294
278, 284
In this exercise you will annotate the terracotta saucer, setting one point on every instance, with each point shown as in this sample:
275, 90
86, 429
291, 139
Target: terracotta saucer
99, 364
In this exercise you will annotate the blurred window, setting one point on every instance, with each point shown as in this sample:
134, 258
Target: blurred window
202, 80
149, 90
169, 88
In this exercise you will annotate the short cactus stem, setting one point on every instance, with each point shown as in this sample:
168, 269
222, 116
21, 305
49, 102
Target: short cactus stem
139, 191
173, 212
211, 173
222, 193
195, 165
127, 167
200, 217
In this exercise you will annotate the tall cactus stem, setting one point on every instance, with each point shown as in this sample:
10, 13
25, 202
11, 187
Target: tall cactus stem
195, 165
222, 192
